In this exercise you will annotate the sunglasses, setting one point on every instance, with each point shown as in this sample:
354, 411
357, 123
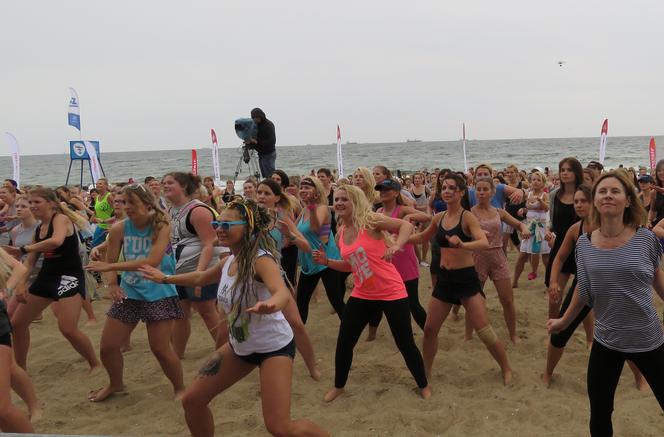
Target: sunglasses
226, 226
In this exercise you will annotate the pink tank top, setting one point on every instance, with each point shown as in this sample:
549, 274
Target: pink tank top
405, 260
492, 228
375, 278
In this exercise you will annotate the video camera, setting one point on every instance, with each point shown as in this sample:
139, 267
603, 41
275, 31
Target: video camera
245, 129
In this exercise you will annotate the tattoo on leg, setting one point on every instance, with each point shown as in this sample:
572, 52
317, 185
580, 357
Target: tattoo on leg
211, 366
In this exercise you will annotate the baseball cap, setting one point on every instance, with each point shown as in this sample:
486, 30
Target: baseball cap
596, 165
388, 184
645, 178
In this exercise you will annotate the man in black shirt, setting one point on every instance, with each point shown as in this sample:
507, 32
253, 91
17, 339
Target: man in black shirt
264, 143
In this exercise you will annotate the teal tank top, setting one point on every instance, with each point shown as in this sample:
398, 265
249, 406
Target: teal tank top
137, 245
306, 259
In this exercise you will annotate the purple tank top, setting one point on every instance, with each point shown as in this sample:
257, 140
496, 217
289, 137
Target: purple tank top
405, 260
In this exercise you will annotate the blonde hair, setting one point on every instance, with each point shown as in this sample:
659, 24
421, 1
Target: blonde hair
320, 190
488, 181
6, 269
368, 190
158, 218
541, 175
635, 214
363, 216
483, 165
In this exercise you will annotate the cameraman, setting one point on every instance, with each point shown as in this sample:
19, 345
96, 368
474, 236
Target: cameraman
264, 143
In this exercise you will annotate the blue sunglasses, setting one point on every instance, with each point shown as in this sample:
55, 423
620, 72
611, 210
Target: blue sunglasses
226, 226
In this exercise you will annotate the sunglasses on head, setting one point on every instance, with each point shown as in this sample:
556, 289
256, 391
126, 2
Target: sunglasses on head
225, 226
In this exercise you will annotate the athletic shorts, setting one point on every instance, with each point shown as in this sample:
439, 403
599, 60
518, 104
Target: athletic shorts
58, 287
257, 358
132, 311
491, 263
5, 326
208, 292
434, 267
454, 285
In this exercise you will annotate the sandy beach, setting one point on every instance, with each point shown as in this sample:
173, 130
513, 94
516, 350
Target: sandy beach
468, 399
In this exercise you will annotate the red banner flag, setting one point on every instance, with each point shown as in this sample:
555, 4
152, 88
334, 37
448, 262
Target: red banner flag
652, 149
194, 162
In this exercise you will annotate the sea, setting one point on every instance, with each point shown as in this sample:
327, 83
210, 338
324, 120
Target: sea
51, 170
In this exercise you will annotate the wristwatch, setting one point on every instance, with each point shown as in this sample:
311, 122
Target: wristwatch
165, 278
22, 250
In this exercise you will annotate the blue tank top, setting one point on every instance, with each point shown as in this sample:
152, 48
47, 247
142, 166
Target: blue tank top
136, 245
278, 237
306, 259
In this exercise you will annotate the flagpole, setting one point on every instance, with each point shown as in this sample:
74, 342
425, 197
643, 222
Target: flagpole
465, 159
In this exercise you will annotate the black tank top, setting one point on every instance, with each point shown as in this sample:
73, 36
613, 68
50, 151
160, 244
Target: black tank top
457, 230
563, 217
659, 207
64, 259
513, 208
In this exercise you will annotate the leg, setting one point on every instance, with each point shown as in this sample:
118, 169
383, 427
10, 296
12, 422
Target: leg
639, 380
302, 340
23, 316
276, 377
476, 312
22, 385
397, 313
69, 311
604, 369
518, 268
651, 364
113, 338
208, 311
87, 307
437, 312
554, 307
11, 418
306, 285
374, 321
222, 370
589, 327
355, 318
159, 334
416, 309
506, 296
534, 262
182, 329
334, 294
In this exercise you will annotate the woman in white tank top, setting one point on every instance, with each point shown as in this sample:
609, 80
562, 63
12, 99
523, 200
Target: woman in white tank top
253, 294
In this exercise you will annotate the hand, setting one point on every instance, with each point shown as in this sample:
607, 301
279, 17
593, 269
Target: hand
116, 293
554, 292
21, 295
95, 254
455, 241
522, 212
13, 251
525, 233
550, 238
389, 252
516, 197
554, 326
320, 257
658, 188
98, 266
151, 273
262, 308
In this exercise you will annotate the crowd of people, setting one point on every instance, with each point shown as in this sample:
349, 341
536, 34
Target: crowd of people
250, 263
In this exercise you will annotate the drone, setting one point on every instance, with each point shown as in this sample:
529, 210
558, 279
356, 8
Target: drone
560, 63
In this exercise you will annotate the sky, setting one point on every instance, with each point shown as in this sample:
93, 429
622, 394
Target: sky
154, 75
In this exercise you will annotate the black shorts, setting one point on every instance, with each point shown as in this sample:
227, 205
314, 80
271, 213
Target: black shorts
58, 286
5, 326
257, 358
208, 292
454, 285
132, 311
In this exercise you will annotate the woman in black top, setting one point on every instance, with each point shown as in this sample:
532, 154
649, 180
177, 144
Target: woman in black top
656, 212
561, 217
60, 279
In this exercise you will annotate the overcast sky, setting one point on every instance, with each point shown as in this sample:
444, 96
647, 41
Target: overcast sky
159, 74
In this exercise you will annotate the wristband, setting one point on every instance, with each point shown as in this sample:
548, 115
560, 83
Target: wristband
23, 250
311, 206
165, 278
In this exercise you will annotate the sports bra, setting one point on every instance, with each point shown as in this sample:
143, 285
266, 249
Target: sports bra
456, 230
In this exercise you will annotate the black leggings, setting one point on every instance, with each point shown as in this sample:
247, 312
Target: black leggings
355, 319
560, 339
604, 369
289, 263
307, 284
514, 236
416, 309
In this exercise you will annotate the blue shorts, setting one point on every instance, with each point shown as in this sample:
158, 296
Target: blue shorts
98, 237
257, 358
208, 292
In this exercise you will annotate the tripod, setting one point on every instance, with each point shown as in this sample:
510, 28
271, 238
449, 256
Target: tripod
249, 157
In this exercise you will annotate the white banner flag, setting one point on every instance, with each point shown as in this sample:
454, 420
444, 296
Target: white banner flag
74, 111
465, 159
94, 161
215, 158
602, 141
16, 159
340, 158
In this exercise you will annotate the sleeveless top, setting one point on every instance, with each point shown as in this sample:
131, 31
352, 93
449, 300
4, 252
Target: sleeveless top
103, 210
439, 204
251, 333
493, 229
659, 207
186, 244
136, 244
405, 260
421, 199
456, 230
64, 259
563, 217
513, 208
374, 278
306, 260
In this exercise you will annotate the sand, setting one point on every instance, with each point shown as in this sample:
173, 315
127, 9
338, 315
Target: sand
469, 397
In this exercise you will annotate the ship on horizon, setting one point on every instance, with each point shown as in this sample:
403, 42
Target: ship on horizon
413, 141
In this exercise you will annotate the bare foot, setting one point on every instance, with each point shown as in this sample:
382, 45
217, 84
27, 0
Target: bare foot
589, 344
94, 368
90, 322
515, 339
515, 285
507, 376
467, 337
178, 393
104, 393
546, 379
333, 394
35, 412
126, 348
456, 317
315, 374
426, 392
641, 383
